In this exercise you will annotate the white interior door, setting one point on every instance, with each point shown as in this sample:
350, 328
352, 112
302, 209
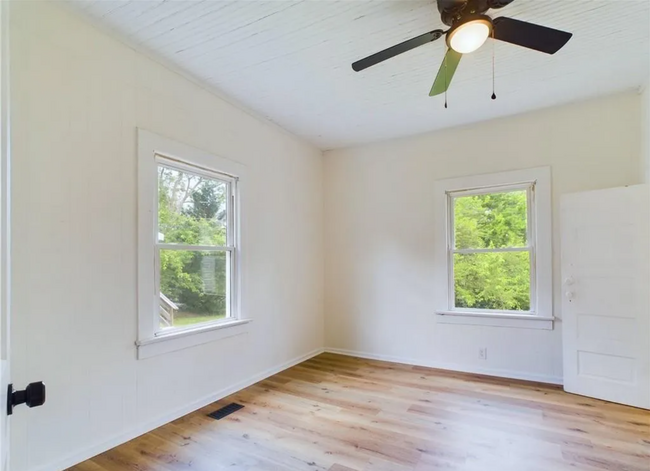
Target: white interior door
4, 241
606, 294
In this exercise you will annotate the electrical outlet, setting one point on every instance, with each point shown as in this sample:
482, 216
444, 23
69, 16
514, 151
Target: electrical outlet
482, 353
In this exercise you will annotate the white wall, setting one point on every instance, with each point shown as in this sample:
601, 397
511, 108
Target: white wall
645, 136
379, 233
77, 97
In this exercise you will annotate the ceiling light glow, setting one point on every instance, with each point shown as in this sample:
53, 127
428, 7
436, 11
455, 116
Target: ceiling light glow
470, 35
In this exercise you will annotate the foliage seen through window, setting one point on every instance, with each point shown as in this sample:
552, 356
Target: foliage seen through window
192, 210
486, 276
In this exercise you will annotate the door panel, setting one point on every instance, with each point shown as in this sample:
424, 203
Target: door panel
4, 242
606, 334
606, 294
616, 295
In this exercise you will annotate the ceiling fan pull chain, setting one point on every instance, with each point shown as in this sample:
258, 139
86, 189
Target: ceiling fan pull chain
494, 95
446, 84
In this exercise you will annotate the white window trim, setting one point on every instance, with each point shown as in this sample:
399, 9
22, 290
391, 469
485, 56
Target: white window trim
150, 341
539, 231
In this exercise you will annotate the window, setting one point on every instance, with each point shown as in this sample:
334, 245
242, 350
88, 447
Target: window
195, 247
188, 246
490, 250
496, 248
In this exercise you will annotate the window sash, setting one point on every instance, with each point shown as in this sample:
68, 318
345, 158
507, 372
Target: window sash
231, 240
230, 294
503, 249
231, 187
530, 240
196, 170
204, 248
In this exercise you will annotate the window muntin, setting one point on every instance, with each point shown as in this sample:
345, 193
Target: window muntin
491, 249
195, 246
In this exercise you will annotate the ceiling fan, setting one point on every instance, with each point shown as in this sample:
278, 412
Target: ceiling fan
469, 29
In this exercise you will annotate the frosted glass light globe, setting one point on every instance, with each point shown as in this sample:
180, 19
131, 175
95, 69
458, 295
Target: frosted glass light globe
470, 36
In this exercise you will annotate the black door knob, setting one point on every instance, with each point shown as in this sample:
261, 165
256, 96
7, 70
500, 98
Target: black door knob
32, 396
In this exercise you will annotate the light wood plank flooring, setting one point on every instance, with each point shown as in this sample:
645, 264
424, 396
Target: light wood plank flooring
337, 413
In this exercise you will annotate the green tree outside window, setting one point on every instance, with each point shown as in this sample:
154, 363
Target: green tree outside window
493, 280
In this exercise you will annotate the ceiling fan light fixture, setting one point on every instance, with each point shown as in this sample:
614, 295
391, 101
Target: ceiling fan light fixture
470, 35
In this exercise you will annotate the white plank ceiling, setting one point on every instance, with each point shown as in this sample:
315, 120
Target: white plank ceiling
289, 60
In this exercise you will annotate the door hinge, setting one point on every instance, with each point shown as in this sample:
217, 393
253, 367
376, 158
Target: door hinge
32, 396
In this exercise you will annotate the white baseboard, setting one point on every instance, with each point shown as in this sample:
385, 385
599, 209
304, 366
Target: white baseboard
500, 373
117, 440
94, 450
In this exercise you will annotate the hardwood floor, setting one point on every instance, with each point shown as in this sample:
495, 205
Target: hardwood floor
337, 413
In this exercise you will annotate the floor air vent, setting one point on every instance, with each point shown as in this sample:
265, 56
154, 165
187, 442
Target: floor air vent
226, 410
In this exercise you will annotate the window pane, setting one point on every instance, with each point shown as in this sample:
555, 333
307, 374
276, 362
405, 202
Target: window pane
493, 280
193, 287
191, 209
494, 220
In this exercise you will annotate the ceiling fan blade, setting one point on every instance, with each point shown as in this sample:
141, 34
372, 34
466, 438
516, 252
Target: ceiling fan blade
446, 72
532, 36
397, 49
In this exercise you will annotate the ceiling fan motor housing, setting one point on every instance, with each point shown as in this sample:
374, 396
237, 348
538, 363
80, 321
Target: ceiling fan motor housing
499, 3
454, 11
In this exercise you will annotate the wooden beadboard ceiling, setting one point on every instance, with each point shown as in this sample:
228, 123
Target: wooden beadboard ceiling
289, 60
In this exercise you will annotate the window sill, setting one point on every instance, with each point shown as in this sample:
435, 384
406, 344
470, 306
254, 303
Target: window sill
522, 321
187, 338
